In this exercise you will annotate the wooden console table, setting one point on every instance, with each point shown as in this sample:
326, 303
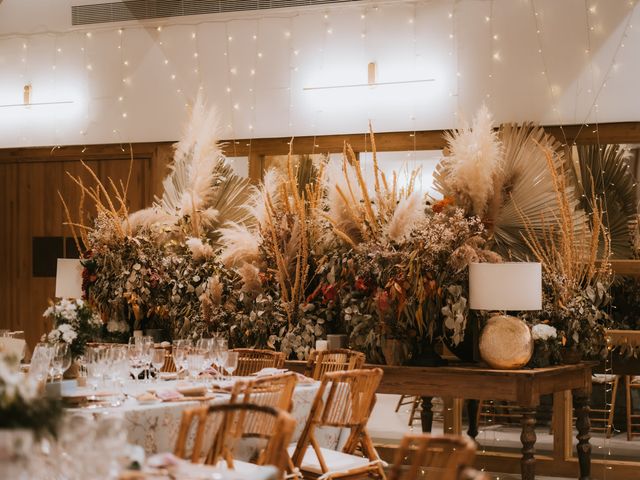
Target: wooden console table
524, 387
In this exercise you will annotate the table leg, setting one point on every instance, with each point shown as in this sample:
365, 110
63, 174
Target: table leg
581, 402
426, 416
472, 413
528, 439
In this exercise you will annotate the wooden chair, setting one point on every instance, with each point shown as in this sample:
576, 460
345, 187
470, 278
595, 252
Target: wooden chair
337, 360
251, 360
218, 428
443, 457
345, 399
416, 407
274, 391
602, 418
631, 383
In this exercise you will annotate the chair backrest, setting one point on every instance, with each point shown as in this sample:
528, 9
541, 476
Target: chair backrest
275, 391
251, 360
337, 360
443, 457
218, 428
344, 399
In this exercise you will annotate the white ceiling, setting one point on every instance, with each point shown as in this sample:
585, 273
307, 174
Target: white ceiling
550, 68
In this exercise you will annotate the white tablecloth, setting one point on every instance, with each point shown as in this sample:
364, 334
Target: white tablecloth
155, 427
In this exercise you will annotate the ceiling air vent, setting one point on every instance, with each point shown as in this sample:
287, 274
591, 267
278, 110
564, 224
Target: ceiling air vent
149, 9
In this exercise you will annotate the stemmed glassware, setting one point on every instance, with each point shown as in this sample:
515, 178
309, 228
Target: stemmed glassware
232, 362
220, 353
157, 360
147, 347
135, 357
61, 360
180, 350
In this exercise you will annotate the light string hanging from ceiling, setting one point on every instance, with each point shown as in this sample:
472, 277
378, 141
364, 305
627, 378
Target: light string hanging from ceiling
197, 70
456, 47
553, 92
229, 89
287, 36
495, 57
594, 104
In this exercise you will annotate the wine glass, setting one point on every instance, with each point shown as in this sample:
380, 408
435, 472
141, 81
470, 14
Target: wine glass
231, 363
220, 354
157, 359
147, 346
58, 361
134, 355
195, 362
180, 349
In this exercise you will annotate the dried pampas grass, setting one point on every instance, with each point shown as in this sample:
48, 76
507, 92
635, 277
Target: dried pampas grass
470, 170
406, 217
240, 244
199, 250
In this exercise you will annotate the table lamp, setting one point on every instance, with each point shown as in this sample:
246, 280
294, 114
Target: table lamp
69, 278
505, 341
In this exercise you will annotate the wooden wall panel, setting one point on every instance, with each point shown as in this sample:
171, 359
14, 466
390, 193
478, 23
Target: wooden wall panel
30, 207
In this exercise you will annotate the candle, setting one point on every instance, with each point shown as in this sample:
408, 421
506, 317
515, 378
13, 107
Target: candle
321, 345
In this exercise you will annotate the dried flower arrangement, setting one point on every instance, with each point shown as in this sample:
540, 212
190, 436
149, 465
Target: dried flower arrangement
151, 267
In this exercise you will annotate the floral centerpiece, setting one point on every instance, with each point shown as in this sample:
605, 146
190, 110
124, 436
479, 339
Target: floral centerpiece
546, 345
22, 407
74, 323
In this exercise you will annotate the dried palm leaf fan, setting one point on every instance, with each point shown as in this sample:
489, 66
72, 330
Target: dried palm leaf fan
604, 174
201, 192
522, 185
526, 190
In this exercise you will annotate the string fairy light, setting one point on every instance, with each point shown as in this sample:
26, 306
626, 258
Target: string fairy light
495, 56
553, 92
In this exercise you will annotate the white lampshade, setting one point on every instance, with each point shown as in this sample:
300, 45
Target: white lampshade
69, 278
505, 286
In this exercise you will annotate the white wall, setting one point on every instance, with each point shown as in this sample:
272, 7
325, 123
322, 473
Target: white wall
524, 66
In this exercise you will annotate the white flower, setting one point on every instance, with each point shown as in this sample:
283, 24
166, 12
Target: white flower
67, 333
542, 331
54, 335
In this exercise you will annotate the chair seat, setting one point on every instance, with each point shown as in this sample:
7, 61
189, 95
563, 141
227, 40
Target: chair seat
336, 461
250, 469
602, 378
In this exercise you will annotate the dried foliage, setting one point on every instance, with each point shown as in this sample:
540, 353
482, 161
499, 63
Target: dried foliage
603, 173
358, 214
576, 271
473, 165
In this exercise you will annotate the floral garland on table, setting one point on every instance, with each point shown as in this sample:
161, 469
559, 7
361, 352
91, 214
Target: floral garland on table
74, 323
21, 406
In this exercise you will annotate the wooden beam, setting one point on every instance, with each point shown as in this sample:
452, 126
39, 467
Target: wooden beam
617, 132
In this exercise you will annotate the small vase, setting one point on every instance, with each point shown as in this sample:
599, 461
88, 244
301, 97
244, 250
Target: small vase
393, 351
15, 443
570, 355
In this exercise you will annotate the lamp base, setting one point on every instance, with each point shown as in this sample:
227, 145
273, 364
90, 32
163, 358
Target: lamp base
506, 343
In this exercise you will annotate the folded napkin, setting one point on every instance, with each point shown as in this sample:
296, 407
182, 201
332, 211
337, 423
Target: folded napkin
266, 372
168, 395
